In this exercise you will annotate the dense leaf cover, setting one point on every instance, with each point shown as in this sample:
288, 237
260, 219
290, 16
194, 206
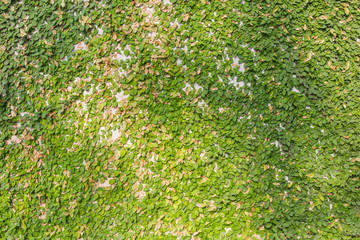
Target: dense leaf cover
179, 119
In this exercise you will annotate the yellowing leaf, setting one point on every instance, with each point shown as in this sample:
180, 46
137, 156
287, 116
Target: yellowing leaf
333, 32
340, 227
22, 32
323, 17
85, 20
311, 175
309, 56
346, 67
347, 11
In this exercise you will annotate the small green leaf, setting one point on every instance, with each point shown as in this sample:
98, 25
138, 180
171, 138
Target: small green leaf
122, 153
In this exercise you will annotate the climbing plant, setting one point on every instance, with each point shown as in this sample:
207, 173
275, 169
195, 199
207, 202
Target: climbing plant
151, 119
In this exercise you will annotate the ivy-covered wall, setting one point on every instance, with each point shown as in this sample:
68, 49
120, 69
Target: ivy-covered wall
179, 119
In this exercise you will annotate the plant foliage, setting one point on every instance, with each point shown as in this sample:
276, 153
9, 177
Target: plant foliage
179, 119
